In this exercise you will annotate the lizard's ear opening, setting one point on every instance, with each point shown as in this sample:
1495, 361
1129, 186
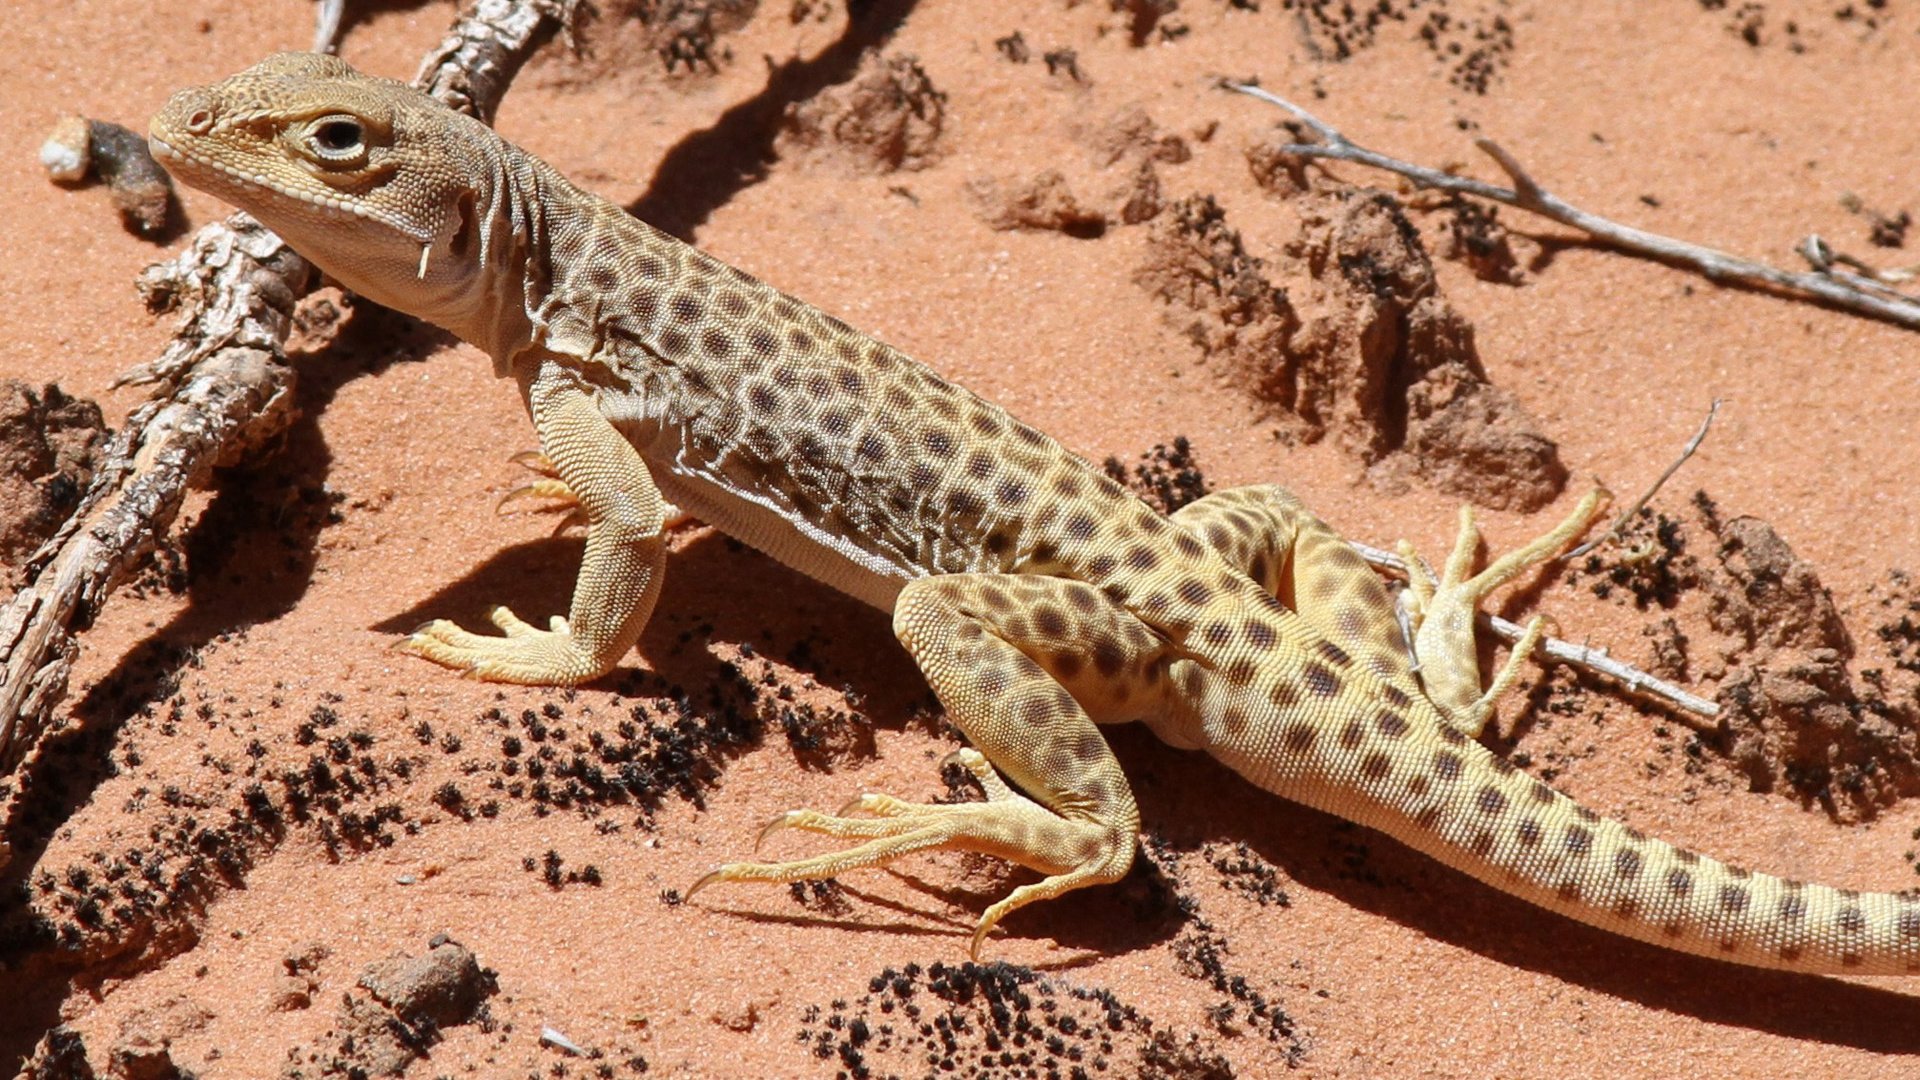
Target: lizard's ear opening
468, 228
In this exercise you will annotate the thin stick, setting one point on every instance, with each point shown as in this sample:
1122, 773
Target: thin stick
1685, 453
225, 388
326, 29
1845, 292
1582, 656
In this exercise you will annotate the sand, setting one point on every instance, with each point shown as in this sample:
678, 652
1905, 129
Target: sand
312, 803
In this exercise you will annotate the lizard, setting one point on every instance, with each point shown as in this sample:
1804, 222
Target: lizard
1039, 597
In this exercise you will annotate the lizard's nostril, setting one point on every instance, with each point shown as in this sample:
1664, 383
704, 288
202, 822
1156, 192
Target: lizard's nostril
200, 121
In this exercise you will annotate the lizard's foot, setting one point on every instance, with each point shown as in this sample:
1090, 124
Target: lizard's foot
546, 485
1443, 613
1008, 825
527, 654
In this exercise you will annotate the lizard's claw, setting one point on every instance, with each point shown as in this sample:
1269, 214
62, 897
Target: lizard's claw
526, 655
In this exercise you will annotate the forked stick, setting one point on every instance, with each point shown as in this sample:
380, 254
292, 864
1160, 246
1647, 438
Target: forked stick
225, 388
1852, 292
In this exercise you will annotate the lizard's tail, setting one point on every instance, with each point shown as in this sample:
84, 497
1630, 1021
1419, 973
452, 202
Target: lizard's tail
1411, 775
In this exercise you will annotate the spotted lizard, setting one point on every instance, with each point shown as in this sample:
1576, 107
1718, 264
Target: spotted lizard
1040, 599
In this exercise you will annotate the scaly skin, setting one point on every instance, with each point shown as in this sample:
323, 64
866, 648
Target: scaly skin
1039, 597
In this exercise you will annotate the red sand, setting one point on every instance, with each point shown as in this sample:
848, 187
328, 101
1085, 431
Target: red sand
1388, 964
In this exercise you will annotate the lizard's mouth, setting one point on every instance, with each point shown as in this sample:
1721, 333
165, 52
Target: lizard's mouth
219, 178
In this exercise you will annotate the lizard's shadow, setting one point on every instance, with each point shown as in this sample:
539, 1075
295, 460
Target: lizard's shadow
821, 634
715, 589
1186, 797
707, 168
1375, 873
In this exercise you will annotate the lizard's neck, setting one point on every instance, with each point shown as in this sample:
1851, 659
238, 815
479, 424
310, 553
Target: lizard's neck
502, 256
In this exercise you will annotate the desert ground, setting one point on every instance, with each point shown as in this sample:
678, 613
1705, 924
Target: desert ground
257, 839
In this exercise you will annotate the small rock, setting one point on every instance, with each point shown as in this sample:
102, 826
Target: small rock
290, 994
306, 957
146, 1063
443, 986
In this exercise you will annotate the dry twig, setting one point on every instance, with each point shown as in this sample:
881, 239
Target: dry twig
226, 388
1626, 515
327, 22
1848, 291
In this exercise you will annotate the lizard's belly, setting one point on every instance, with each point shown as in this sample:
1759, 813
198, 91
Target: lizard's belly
758, 522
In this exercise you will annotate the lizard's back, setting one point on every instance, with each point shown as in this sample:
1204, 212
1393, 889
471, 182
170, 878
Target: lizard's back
808, 439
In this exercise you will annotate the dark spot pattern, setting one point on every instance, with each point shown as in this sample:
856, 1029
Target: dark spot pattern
1626, 864
1321, 681
1351, 736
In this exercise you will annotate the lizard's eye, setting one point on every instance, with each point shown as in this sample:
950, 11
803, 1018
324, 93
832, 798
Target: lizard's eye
338, 138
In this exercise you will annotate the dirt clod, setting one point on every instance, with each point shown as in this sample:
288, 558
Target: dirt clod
49, 444
1045, 202
685, 34
1221, 296
888, 119
1796, 715
60, 1055
1122, 160
408, 1000
1359, 344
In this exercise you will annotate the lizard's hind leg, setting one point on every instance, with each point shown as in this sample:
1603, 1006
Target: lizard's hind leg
1269, 535
1024, 664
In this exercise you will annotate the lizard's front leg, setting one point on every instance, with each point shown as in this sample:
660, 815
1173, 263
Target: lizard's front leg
619, 575
1024, 664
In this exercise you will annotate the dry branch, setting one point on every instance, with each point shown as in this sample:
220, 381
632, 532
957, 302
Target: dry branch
1848, 291
225, 388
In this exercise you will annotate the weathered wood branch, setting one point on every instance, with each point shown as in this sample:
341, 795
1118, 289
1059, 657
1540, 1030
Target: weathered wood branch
1851, 292
224, 388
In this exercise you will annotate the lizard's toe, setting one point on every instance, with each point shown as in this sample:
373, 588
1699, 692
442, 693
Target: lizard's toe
1070, 852
527, 655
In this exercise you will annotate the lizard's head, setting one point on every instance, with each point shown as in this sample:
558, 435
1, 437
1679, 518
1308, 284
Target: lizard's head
369, 178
